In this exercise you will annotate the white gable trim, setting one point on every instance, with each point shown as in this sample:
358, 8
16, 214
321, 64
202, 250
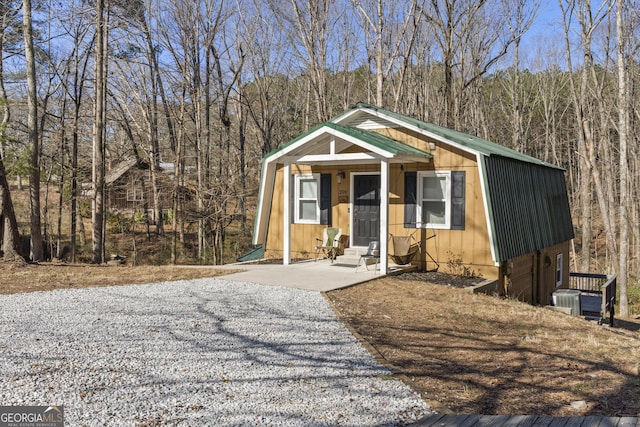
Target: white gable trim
401, 123
290, 148
265, 198
288, 154
485, 201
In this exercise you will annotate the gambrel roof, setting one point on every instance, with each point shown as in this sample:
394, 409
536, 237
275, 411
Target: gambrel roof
525, 199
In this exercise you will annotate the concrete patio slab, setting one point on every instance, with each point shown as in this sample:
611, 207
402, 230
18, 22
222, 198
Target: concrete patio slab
320, 276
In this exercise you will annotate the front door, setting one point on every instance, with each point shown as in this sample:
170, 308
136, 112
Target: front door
366, 209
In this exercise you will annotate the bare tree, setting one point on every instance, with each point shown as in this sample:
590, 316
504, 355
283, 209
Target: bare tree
34, 141
98, 170
267, 93
75, 90
308, 25
473, 35
623, 118
9, 234
390, 28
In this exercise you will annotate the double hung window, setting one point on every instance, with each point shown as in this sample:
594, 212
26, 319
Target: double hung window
434, 203
307, 195
435, 199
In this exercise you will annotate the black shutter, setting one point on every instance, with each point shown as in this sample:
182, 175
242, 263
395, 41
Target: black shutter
325, 198
410, 200
457, 200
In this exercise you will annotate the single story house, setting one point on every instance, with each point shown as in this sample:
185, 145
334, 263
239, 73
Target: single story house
475, 206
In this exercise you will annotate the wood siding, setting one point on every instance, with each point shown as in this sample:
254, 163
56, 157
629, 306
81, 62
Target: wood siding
532, 278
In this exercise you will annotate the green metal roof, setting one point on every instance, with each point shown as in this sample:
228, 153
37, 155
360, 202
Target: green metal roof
254, 254
375, 139
528, 206
472, 142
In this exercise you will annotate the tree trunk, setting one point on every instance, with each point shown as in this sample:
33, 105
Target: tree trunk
154, 145
61, 178
10, 244
98, 170
623, 117
78, 89
8, 226
32, 123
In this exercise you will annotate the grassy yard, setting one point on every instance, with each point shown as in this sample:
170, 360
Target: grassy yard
479, 354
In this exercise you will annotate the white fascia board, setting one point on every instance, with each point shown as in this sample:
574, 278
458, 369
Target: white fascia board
351, 158
416, 129
346, 115
287, 150
331, 158
265, 198
485, 201
382, 153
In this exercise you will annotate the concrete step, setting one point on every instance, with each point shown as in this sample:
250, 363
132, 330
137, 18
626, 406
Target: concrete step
355, 251
352, 256
347, 259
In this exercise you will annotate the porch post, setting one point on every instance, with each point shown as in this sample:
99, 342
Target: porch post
384, 215
286, 215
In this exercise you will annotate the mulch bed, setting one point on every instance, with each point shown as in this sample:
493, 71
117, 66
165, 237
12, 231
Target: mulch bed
437, 278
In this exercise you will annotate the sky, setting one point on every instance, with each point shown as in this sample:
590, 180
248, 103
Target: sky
544, 43
548, 22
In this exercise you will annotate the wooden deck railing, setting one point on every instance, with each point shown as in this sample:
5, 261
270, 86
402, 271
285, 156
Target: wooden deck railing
600, 284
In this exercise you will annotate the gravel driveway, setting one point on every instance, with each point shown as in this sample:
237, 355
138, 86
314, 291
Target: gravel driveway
199, 352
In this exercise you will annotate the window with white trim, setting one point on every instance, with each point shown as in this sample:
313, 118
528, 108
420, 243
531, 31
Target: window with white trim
559, 267
307, 199
434, 199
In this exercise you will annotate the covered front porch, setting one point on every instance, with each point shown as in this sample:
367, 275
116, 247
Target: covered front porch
333, 176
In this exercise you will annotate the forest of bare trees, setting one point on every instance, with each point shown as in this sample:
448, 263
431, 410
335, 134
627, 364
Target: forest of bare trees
210, 86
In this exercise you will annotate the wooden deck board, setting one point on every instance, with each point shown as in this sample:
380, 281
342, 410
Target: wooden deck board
476, 420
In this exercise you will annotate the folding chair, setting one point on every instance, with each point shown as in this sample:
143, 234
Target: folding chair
330, 243
373, 252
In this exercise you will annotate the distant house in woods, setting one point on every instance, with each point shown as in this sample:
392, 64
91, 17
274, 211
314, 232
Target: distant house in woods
129, 187
474, 205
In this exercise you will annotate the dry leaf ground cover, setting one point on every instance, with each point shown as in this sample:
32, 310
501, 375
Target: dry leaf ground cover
16, 278
479, 354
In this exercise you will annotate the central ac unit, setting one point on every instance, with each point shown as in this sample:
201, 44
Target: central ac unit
568, 298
